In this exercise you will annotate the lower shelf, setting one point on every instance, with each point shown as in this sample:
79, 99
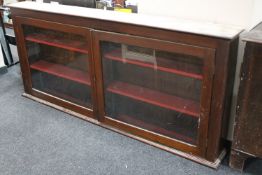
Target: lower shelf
157, 98
67, 98
154, 128
62, 71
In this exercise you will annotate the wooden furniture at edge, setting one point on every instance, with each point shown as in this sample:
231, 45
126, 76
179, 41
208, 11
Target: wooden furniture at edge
173, 94
247, 141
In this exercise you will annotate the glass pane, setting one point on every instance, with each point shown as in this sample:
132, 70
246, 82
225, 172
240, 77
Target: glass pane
152, 89
59, 64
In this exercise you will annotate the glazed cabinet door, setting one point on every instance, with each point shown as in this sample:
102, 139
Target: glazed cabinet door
155, 89
56, 63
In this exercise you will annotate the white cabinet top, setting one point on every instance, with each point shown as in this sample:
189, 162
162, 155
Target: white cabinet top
161, 22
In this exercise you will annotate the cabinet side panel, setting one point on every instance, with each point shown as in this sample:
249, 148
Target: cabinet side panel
218, 99
230, 84
247, 134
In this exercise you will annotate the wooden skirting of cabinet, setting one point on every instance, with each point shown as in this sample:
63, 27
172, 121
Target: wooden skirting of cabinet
247, 141
168, 87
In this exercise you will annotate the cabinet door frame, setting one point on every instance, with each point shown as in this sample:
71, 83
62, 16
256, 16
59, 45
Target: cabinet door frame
208, 56
25, 67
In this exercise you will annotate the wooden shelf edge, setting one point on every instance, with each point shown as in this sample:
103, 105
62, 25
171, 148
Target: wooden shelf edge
64, 72
155, 129
215, 164
66, 97
131, 91
59, 45
147, 65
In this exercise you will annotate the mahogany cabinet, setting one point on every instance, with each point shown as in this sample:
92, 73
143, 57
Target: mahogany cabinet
247, 141
168, 88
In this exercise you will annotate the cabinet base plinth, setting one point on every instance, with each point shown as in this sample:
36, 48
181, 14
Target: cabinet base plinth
238, 159
194, 158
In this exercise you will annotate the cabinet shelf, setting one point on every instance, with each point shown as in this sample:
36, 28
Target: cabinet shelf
157, 98
151, 127
62, 71
116, 56
66, 97
69, 44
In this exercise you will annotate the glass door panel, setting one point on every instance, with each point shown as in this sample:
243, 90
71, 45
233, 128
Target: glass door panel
156, 90
59, 64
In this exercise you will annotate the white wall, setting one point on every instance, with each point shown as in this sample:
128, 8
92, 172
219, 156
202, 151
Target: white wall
257, 12
235, 12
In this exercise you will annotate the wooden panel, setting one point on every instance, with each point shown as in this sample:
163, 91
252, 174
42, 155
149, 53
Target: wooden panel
247, 140
248, 132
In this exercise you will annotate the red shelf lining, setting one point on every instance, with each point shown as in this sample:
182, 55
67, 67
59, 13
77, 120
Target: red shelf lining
157, 98
55, 41
154, 128
62, 71
115, 55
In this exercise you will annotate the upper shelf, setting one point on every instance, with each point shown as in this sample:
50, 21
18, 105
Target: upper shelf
117, 57
161, 22
62, 71
154, 97
60, 42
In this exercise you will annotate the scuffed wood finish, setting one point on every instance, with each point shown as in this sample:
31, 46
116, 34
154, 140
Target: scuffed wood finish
219, 58
247, 141
238, 159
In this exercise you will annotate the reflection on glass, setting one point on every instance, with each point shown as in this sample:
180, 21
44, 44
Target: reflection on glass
59, 64
152, 89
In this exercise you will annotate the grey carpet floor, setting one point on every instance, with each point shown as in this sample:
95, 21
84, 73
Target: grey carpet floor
36, 139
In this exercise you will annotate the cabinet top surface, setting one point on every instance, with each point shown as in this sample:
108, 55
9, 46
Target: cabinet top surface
161, 22
255, 35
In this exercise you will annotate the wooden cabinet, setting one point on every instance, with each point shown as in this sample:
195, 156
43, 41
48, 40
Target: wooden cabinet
247, 141
167, 88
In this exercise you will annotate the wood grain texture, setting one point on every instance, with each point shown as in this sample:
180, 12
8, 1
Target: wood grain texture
247, 140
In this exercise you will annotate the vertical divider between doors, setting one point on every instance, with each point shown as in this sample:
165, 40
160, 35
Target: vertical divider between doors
92, 72
98, 75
